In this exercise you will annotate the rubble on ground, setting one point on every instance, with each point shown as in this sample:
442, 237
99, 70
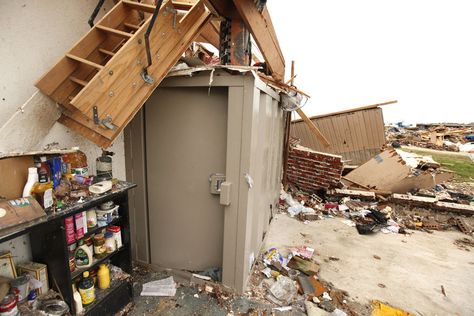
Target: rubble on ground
439, 137
439, 208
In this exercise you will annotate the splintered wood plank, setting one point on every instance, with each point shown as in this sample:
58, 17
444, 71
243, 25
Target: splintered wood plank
316, 132
261, 27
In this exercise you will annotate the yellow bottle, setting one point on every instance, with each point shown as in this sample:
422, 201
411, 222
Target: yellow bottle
104, 277
43, 192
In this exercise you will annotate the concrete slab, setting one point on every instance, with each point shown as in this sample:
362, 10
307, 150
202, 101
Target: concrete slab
412, 268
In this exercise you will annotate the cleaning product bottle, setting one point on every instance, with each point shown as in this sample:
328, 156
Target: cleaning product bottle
32, 179
44, 173
77, 301
43, 193
86, 289
83, 256
104, 277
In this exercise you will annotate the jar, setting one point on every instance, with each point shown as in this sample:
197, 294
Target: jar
110, 244
91, 218
99, 246
117, 235
90, 243
8, 307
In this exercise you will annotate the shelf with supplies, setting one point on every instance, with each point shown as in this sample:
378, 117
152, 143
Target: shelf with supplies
51, 241
94, 230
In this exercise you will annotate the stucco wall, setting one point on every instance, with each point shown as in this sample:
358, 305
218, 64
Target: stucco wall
35, 34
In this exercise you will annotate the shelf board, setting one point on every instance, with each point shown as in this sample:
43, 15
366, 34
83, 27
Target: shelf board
95, 263
94, 230
101, 295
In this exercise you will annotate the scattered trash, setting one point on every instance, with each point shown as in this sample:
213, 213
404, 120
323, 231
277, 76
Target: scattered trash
443, 290
380, 309
326, 296
304, 265
283, 289
338, 312
164, 287
303, 251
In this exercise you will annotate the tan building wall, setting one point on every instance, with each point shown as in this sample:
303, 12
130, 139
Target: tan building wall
355, 135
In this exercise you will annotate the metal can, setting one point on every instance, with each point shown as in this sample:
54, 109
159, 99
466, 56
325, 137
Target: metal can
8, 307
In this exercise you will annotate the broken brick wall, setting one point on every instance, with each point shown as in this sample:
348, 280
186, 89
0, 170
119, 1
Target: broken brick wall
311, 170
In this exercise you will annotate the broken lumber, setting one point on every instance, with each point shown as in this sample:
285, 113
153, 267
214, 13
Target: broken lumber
365, 195
432, 203
316, 132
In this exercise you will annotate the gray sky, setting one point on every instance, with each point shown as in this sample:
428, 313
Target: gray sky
353, 53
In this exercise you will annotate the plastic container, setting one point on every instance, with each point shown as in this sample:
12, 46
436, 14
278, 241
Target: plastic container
32, 179
86, 289
110, 243
104, 277
43, 193
77, 301
90, 243
44, 173
117, 235
91, 218
83, 256
105, 217
21, 283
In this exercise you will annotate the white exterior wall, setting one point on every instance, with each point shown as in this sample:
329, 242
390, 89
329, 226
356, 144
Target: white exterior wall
35, 34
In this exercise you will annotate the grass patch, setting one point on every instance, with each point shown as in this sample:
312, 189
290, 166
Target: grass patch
462, 166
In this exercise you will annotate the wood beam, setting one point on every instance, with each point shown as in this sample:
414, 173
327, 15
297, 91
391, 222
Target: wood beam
261, 27
316, 132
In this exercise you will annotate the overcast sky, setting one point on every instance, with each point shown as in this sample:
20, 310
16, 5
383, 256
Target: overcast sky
353, 53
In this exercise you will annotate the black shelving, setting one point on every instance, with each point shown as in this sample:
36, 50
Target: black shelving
49, 246
97, 228
95, 263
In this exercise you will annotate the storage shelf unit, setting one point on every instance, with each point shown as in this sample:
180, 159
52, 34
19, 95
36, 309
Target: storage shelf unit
49, 246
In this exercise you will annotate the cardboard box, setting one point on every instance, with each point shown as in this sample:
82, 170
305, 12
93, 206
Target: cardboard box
7, 266
39, 271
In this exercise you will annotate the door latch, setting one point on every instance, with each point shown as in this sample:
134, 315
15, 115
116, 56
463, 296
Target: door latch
215, 181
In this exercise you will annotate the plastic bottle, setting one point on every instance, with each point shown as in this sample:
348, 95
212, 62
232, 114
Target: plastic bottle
44, 173
43, 193
86, 289
77, 301
83, 256
104, 277
32, 179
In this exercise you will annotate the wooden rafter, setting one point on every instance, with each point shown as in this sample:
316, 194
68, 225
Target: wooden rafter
261, 27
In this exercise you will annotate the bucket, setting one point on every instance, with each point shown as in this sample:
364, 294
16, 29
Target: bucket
105, 217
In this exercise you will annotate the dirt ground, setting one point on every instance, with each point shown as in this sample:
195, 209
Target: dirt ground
406, 271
